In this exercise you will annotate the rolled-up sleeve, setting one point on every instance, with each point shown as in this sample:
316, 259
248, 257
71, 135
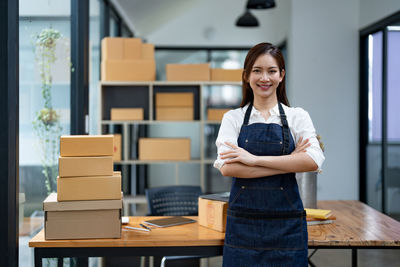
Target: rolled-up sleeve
228, 132
305, 128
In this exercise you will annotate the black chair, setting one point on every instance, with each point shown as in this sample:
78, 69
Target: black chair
179, 200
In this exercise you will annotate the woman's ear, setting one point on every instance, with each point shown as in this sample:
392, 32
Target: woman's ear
282, 74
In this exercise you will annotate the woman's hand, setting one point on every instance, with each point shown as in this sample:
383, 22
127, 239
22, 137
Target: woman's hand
238, 154
301, 146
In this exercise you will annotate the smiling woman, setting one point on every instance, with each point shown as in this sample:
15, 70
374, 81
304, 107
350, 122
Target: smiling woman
261, 145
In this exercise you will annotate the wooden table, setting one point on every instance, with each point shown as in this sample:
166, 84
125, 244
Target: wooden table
357, 226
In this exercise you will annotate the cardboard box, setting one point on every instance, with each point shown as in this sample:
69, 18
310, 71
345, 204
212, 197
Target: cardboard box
216, 114
117, 147
118, 48
126, 114
147, 51
82, 219
164, 149
51, 204
132, 48
86, 145
89, 188
82, 224
212, 214
226, 75
85, 166
174, 113
174, 99
112, 48
128, 70
188, 72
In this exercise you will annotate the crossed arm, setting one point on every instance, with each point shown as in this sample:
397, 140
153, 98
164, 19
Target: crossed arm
243, 164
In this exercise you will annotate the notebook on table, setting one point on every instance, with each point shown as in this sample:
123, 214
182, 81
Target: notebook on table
170, 221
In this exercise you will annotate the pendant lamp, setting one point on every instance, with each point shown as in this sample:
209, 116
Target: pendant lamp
247, 20
260, 4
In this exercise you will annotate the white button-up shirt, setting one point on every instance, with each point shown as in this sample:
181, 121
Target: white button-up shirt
299, 121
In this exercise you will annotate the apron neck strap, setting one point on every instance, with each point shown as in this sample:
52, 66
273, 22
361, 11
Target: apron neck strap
285, 126
285, 130
247, 115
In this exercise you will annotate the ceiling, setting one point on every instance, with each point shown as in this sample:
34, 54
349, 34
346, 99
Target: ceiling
145, 16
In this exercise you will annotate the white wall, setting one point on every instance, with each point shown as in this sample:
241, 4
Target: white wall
323, 79
212, 23
372, 11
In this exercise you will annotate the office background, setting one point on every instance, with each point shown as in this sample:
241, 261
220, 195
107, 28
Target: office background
322, 40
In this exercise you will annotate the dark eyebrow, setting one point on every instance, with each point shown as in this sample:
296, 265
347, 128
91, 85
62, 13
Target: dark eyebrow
273, 67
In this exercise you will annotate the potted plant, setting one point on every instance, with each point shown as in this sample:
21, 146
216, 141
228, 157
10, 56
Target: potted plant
46, 123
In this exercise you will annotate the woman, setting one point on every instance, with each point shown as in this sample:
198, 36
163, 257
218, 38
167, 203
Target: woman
266, 224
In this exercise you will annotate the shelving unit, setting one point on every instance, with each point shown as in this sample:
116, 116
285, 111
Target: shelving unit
142, 94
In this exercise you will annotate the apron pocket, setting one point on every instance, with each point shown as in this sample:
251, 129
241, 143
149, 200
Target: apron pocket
265, 231
256, 198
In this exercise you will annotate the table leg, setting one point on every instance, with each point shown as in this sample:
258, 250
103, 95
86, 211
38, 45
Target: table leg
60, 262
82, 262
38, 258
354, 257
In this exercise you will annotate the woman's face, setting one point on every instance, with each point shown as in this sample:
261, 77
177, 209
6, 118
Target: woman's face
265, 77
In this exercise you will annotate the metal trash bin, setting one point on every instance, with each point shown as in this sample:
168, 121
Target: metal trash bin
307, 182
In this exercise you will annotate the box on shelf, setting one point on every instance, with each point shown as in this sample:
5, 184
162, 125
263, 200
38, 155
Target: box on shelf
188, 72
148, 51
117, 156
123, 114
174, 106
82, 219
174, 113
132, 48
164, 149
112, 48
86, 145
85, 166
89, 188
216, 114
212, 214
128, 70
118, 48
226, 75
174, 99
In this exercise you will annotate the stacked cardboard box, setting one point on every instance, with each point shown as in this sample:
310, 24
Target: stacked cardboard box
174, 106
127, 59
88, 202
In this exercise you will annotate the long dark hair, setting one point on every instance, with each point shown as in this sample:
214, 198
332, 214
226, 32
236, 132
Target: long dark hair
252, 55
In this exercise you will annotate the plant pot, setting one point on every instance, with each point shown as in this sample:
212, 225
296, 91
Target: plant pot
307, 182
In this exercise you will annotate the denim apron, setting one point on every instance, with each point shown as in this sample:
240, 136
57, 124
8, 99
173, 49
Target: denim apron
266, 222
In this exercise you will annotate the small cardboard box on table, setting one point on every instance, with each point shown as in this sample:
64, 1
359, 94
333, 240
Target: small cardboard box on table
82, 219
212, 214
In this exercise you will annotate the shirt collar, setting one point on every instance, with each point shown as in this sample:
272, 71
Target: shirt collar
254, 111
